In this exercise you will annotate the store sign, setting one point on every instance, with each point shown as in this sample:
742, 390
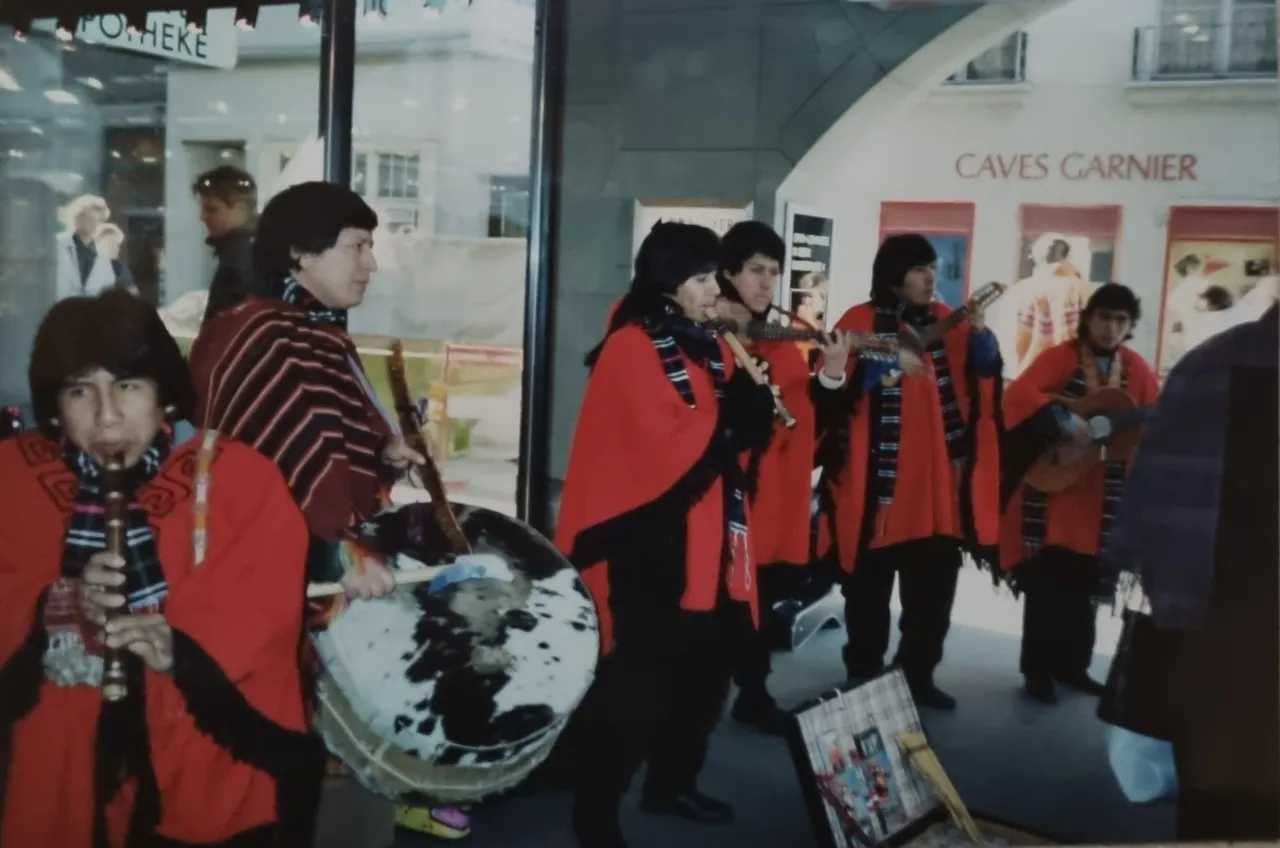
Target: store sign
715, 216
167, 36
1109, 167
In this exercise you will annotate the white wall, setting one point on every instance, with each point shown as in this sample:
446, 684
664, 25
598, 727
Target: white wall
1076, 100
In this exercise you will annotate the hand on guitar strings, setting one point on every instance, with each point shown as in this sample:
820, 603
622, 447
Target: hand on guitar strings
909, 363
836, 348
1077, 438
400, 456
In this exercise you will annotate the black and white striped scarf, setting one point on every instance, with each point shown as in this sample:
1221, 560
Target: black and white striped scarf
888, 425
673, 336
292, 292
145, 587
1035, 503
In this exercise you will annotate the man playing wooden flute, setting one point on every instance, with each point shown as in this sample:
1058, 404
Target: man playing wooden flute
910, 468
1051, 542
281, 374
655, 512
751, 257
208, 744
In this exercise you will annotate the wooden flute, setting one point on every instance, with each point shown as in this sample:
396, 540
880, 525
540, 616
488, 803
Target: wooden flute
115, 686
748, 364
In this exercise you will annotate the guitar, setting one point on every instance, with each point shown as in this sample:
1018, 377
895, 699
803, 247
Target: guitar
737, 319
411, 425
923, 340
919, 341
1116, 422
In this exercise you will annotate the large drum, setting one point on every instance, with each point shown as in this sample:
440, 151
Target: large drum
458, 695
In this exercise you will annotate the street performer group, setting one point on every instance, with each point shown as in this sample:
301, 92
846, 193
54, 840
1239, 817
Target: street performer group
155, 683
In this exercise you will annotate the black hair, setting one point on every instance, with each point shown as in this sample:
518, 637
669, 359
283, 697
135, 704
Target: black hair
896, 256
1184, 265
229, 184
669, 255
1115, 297
1058, 251
1218, 298
746, 239
116, 331
307, 218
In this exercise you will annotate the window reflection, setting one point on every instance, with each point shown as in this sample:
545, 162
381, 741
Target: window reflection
100, 145
441, 150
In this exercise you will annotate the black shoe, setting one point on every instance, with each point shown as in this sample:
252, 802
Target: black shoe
1082, 682
690, 806
596, 826
762, 713
925, 694
1041, 689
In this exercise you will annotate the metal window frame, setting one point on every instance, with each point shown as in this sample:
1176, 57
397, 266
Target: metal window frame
337, 93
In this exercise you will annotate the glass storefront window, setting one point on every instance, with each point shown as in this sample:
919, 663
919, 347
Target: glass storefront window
441, 138
100, 144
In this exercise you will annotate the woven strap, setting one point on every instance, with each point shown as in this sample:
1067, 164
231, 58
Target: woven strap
200, 527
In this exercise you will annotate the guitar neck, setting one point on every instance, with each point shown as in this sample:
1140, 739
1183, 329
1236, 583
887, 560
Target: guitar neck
932, 334
869, 346
765, 331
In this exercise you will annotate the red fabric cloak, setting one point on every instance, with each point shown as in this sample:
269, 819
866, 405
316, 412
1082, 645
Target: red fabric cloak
931, 497
1073, 517
226, 720
635, 440
784, 488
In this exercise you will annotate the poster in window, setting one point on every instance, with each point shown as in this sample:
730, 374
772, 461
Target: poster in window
808, 262
1065, 253
1210, 286
953, 256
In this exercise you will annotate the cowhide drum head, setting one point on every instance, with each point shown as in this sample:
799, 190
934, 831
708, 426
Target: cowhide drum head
457, 696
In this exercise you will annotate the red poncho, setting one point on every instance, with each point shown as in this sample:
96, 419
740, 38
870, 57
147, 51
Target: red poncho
237, 621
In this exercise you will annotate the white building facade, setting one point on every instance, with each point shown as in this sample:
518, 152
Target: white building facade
1140, 132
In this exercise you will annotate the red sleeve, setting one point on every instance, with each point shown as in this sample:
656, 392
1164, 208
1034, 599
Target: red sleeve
635, 437
1144, 385
1047, 375
27, 521
245, 600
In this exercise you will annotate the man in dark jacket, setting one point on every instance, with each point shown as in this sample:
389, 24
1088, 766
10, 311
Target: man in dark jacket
228, 201
1198, 527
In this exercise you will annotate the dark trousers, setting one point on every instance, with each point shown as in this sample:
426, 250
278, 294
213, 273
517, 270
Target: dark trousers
927, 570
777, 583
656, 698
1059, 614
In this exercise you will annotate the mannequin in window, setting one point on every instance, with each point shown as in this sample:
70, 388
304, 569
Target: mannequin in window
82, 270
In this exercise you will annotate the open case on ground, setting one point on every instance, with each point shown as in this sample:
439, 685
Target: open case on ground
871, 780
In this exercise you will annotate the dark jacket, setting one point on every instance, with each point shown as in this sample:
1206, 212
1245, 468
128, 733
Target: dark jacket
234, 278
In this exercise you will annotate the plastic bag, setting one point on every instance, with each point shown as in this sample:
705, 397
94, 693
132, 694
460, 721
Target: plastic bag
1143, 766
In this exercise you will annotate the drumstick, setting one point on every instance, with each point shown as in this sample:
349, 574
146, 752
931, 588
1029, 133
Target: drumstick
410, 577
475, 566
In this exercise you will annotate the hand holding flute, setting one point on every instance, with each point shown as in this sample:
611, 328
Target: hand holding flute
148, 637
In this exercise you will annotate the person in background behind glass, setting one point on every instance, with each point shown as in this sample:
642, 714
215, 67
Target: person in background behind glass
108, 241
81, 269
228, 199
